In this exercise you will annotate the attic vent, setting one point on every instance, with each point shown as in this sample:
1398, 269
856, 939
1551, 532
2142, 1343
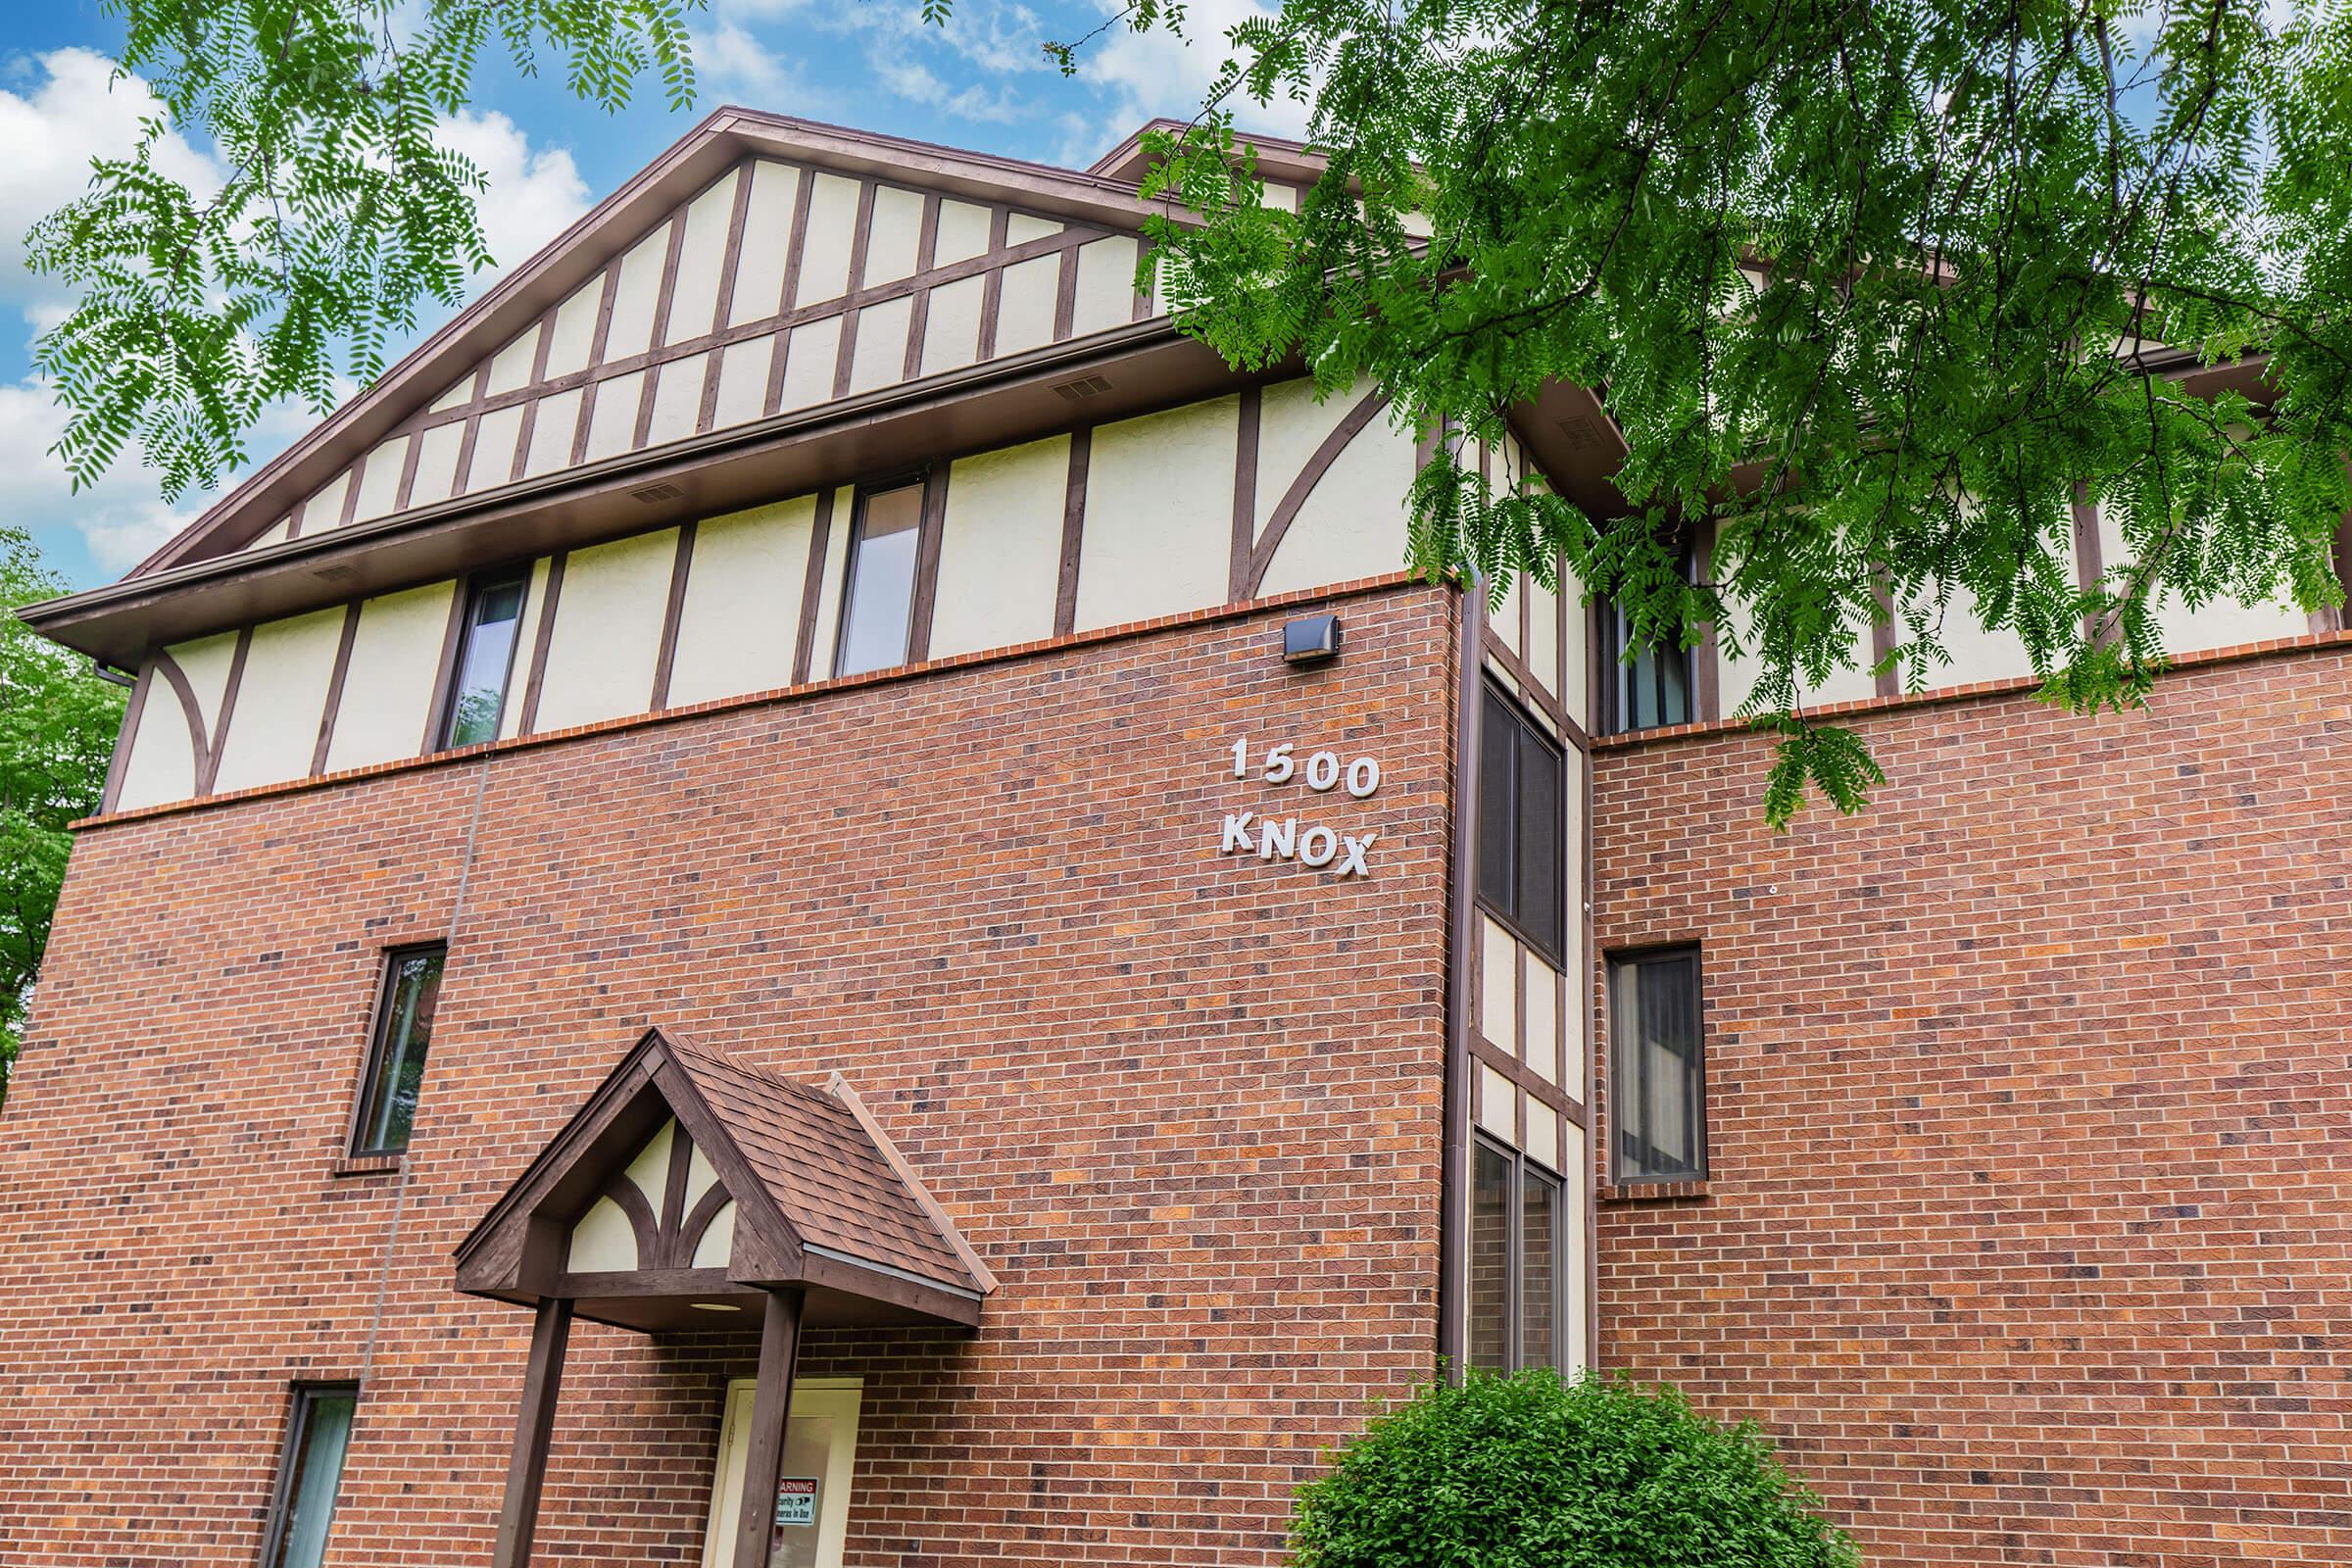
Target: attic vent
1583, 435
1083, 388
656, 492
334, 574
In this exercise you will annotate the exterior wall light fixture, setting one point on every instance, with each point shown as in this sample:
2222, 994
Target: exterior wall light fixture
1310, 640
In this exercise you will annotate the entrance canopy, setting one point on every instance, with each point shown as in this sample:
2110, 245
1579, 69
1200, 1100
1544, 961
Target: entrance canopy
692, 1185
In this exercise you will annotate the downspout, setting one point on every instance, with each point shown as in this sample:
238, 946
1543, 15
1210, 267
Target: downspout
1453, 1243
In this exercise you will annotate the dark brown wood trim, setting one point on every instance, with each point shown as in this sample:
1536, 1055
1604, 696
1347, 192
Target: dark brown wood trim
461, 477
991, 289
764, 1455
1706, 662
446, 671
529, 427
862, 234
335, 687
2089, 566
1245, 494
127, 737
673, 614
1461, 982
655, 356
698, 1220
1262, 555
918, 314
1535, 694
589, 375
408, 467
1888, 682
1073, 532
1581, 985
933, 528
534, 1432
730, 261
358, 474
294, 518
1065, 295
805, 188
229, 709
1143, 301
1539, 1087
2339, 618
199, 743
672, 1223
631, 1200
542, 637
813, 585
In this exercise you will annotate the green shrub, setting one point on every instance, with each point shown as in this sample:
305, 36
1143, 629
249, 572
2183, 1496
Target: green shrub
1533, 1472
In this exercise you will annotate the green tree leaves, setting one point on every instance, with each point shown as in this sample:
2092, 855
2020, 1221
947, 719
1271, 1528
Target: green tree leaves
342, 212
1874, 293
1530, 1472
57, 734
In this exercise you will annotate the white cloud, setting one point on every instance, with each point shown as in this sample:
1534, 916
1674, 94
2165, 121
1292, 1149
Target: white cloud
75, 113
122, 519
535, 193
1157, 73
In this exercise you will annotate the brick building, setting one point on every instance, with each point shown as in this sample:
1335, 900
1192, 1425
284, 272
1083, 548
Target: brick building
813, 894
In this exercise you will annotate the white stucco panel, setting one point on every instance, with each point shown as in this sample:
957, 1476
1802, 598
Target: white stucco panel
1159, 534
280, 697
825, 249
1352, 523
1000, 552
740, 623
952, 327
162, 764
766, 241
394, 661
694, 293
607, 631
1025, 305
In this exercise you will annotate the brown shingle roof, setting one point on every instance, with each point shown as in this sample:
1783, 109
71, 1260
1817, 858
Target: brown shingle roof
836, 1189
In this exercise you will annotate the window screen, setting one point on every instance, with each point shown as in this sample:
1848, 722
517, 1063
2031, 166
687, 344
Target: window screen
1521, 781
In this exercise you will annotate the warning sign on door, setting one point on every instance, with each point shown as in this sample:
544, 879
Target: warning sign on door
796, 1500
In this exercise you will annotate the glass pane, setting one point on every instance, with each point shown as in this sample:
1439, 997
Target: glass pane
404, 1031
1673, 684
1538, 909
800, 1491
1498, 747
1662, 1118
1491, 1259
1539, 1270
322, 1434
479, 694
881, 587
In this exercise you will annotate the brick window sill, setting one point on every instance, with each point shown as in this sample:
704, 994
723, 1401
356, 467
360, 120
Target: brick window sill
1650, 1191
369, 1165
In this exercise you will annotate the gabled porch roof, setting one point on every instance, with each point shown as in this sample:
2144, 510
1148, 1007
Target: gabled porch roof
691, 1185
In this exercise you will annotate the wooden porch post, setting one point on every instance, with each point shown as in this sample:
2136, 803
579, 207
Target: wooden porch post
526, 1472
771, 1404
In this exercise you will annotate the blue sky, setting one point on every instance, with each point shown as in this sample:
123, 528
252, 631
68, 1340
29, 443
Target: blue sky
981, 83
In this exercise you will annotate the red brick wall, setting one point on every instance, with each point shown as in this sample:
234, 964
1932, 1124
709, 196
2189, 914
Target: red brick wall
2028, 1230
1185, 1105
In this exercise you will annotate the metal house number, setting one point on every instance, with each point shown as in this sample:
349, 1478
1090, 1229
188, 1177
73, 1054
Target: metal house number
1314, 846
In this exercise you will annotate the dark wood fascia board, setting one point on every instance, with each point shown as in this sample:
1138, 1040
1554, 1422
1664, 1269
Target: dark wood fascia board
895, 1287
979, 407
725, 137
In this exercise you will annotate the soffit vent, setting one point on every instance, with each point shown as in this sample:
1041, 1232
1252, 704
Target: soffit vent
333, 573
1581, 433
1084, 387
656, 492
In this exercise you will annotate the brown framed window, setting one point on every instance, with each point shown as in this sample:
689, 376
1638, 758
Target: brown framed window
395, 1050
485, 666
1653, 688
1522, 776
1657, 1068
309, 1471
1518, 1257
878, 600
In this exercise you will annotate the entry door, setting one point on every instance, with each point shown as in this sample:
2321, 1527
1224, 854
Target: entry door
820, 1447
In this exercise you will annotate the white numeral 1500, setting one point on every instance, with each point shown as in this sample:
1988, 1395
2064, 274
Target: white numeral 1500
1278, 766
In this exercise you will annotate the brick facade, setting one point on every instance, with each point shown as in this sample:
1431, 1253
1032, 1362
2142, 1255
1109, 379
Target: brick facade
1187, 1106
2029, 1211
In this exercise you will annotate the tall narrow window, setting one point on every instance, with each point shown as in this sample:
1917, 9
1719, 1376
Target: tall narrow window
477, 691
1657, 1078
1650, 690
1521, 775
878, 601
1518, 1292
404, 1028
309, 1473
